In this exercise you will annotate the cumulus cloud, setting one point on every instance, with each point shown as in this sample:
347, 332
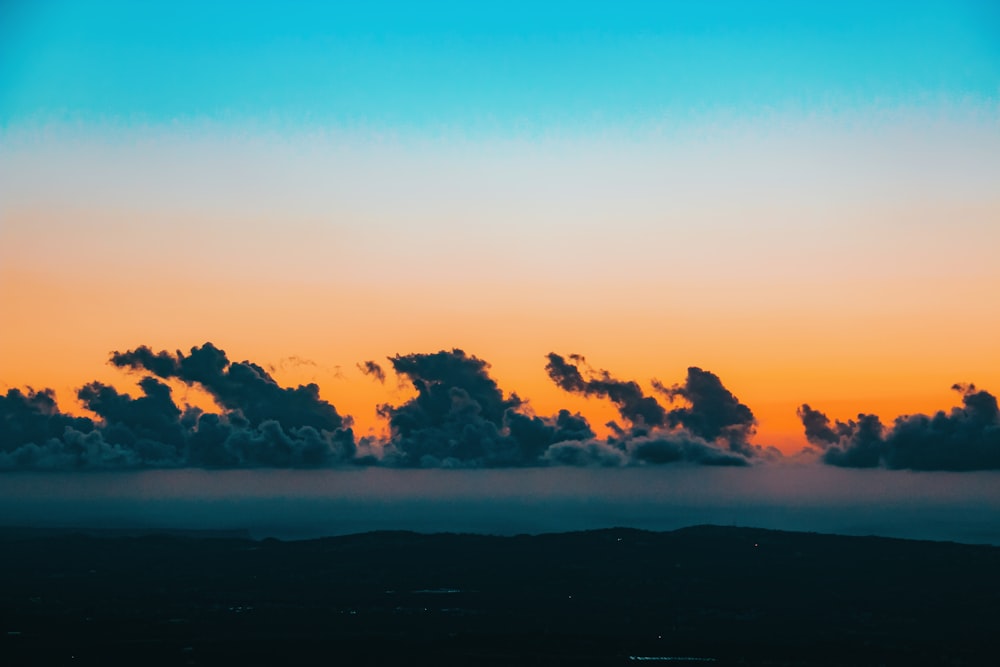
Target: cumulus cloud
228, 440
965, 438
238, 386
536, 435
35, 434
260, 424
711, 428
817, 426
713, 412
34, 417
458, 417
149, 425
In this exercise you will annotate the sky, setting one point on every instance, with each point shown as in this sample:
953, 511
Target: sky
799, 199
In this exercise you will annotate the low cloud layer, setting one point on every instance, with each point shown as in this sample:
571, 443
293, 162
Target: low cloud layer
260, 424
713, 412
237, 386
965, 438
710, 427
458, 417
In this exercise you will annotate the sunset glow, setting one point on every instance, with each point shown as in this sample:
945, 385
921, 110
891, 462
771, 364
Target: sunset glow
812, 215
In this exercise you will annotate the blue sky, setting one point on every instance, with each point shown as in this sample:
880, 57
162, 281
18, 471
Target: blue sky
485, 66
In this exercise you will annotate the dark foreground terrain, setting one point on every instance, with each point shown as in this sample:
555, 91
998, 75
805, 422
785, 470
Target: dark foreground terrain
728, 596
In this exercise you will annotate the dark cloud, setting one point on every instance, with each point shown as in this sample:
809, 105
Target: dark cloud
372, 369
966, 438
223, 441
658, 449
34, 417
242, 386
817, 426
262, 423
457, 417
149, 425
672, 448
35, 434
587, 453
73, 450
690, 433
713, 412
639, 409
862, 446
535, 435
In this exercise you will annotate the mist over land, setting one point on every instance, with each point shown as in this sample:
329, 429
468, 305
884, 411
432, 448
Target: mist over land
963, 507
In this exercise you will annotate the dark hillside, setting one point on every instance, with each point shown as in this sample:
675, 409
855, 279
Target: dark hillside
737, 595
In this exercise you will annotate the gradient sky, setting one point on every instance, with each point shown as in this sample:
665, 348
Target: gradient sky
800, 197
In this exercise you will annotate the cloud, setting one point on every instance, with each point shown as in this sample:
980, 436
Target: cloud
458, 417
693, 433
589, 453
35, 434
261, 424
536, 435
34, 417
372, 369
237, 386
817, 426
676, 447
74, 450
227, 440
636, 407
149, 425
713, 412
966, 438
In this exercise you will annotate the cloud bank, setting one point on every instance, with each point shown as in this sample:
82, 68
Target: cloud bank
459, 417
260, 423
965, 438
713, 428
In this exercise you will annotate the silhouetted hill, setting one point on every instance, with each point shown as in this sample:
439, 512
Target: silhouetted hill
736, 595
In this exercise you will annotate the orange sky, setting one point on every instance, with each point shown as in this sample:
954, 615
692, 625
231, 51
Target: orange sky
850, 265
803, 200
889, 353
